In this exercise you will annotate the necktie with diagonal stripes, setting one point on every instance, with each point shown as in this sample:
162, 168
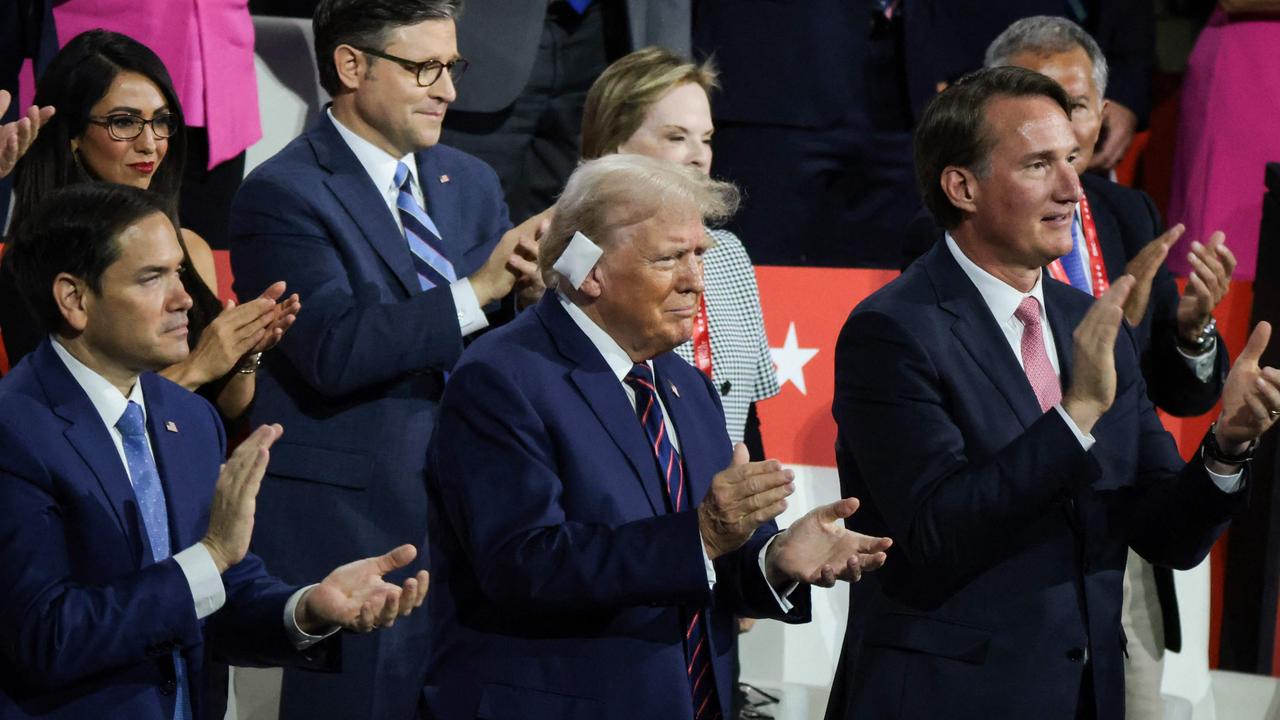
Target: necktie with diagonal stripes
429, 261
706, 704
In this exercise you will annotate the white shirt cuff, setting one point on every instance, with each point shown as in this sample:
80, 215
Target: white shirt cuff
1202, 364
1227, 483
301, 640
781, 598
470, 317
709, 566
1086, 440
202, 575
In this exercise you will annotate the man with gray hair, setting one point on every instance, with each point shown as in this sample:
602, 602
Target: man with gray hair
1183, 360
593, 534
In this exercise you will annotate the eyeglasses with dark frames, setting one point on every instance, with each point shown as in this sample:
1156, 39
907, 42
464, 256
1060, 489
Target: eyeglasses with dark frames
126, 126
427, 72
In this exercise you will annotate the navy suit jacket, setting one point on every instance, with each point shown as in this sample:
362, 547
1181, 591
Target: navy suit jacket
560, 581
356, 380
1010, 539
88, 620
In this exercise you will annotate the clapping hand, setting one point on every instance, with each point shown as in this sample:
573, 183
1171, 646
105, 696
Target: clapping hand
1250, 398
1212, 264
818, 549
355, 597
16, 137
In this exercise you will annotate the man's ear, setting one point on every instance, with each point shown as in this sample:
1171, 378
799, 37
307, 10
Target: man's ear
593, 285
960, 186
350, 65
72, 297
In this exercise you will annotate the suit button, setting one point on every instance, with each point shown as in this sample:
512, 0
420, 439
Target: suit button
1078, 655
724, 388
168, 687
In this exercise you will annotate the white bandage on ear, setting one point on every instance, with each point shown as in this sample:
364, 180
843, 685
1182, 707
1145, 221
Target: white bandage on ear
579, 256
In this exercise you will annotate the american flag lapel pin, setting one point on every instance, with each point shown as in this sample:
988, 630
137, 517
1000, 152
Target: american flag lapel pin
444, 178
674, 390
171, 426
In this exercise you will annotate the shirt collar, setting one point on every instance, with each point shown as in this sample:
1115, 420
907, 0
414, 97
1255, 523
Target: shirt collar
378, 163
617, 358
1001, 298
106, 398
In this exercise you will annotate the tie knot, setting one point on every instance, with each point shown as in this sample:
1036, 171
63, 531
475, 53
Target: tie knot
640, 375
1028, 311
402, 176
131, 423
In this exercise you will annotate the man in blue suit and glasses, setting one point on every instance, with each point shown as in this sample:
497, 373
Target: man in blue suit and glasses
123, 544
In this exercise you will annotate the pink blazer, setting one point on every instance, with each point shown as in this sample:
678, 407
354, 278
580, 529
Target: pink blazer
207, 46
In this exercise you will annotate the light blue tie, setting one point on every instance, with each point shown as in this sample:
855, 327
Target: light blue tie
1071, 261
155, 516
425, 245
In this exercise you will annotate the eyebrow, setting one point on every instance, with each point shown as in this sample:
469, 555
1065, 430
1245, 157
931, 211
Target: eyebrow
133, 110
683, 129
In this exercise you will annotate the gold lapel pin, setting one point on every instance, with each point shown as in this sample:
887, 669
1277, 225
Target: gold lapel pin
171, 426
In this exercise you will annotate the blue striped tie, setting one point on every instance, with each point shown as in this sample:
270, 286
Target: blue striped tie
1071, 261
155, 516
433, 268
702, 682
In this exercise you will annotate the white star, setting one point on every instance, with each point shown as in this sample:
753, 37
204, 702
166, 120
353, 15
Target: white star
791, 359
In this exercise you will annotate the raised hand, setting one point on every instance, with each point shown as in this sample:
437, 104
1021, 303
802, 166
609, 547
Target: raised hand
286, 312
1122, 125
1211, 267
235, 498
355, 597
510, 260
1143, 267
524, 261
1251, 396
1093, 370
234, 333
818, 549
16, 137
742, 497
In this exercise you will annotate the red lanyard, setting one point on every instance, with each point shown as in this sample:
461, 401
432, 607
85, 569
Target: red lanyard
702, 339
1097, 270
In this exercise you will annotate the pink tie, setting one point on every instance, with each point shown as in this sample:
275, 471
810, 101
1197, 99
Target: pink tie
1035, 361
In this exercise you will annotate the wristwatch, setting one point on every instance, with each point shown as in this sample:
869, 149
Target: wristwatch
249, 365
1212, 451
1204, 341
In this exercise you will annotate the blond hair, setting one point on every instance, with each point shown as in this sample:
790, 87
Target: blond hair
622, 95
619, 190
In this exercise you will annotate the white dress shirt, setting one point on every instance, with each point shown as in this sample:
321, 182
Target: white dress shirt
381, 167
1003, 300
207, 591
620, 363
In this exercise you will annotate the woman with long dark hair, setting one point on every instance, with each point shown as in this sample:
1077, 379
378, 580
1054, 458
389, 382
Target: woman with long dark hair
119, 120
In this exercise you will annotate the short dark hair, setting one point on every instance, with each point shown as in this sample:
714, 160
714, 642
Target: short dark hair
74, 230
953, 129
77, 78
364, 24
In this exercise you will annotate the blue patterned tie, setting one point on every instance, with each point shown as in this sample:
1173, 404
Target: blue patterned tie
155, 516
433, 268
1071, 261
579, 6
702, 682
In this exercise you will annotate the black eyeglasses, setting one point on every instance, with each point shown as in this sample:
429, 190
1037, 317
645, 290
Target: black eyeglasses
428, 72
128, 127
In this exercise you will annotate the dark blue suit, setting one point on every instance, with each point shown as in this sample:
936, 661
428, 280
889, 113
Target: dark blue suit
559, 580
88, 621
355, 381
1010, 539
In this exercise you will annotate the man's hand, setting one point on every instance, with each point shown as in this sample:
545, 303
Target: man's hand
515, 258
1251, 397
743, 497
235, 498
524, 262
355, 597
286, 312
16, 137
1093, 370
818, 549
1121, 125
1211, 268
234, 333
1143, 267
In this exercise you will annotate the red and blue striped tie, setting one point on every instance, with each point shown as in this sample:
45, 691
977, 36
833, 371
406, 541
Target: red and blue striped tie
706, 705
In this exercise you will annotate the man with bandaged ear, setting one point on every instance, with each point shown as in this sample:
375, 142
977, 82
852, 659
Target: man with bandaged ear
595, 532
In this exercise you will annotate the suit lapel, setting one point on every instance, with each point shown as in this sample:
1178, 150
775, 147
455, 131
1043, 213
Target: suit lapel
603, 393
977, 332
687, 428
440, 194
92, 442
167, 447
354, 189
